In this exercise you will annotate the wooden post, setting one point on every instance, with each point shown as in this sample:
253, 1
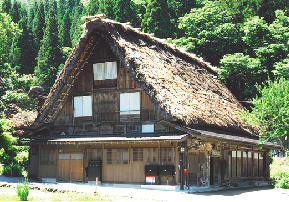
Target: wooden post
96, 181
181, 172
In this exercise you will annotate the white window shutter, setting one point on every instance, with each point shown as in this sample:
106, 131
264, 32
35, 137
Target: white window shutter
110, 70
150, 128
78, 106
134, 103
99, 71
87, 106
124, 103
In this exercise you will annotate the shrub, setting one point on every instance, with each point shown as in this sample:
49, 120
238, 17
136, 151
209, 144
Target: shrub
280, 173
17, 170
23, 190
6, 171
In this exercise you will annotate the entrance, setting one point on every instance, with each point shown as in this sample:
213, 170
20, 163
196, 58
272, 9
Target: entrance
70, 167
215, 170
94, 170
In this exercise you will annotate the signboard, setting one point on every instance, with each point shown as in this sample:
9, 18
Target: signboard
150, 179
216, 153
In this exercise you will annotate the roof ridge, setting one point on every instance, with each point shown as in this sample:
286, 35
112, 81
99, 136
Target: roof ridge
127, 25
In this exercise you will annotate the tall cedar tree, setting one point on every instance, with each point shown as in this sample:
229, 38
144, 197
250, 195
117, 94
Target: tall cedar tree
123, 12
49, 56
14, 11
157, 19
26, 62
75, 29
106, 7
64, 28
61, 9
92, 7
38, 25
6, 6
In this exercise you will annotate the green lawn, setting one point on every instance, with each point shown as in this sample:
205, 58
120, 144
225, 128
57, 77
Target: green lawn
9, 194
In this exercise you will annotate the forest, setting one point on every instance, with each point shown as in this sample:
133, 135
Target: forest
247, 40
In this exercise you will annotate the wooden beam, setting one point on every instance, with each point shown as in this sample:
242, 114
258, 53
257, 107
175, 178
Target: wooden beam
107, 91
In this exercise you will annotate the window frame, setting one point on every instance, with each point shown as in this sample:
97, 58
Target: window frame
84, 111
129, 103
104, 71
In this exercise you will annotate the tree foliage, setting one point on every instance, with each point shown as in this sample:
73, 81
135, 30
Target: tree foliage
49, 56
271, 111
157, 19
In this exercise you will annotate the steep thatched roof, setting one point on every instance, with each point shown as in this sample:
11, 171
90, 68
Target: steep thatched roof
183, 87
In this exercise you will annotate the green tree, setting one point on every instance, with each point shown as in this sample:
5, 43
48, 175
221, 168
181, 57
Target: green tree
61, 9
49, 55
64, 31
269, 43
7, 142
75, 29
281, 69
8, 33
240, 74
157, 19
270, 112
106, 7
14, 11
123, 12
25, 43
209, 33
38, 25
6, 6
12, 96
92, 7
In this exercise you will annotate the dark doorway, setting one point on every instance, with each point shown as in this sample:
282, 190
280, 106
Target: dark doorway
94, 170
215, 168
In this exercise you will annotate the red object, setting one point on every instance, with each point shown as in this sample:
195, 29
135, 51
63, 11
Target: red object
185, 170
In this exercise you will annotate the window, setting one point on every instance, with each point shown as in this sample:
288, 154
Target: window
48, 157
119, 129
117, 156
138, 154
167, 154
82, 106
103, 71
129, 103
132, 128
94, 154
148, 128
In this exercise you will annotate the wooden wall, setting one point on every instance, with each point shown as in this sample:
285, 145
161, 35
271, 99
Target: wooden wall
106, 99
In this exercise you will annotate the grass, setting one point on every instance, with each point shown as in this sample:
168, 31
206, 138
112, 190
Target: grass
1, 168
9, 194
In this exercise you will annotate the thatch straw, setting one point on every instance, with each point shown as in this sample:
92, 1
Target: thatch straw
182, 87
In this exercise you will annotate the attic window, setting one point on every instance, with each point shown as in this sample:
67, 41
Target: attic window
104, 71
129, 103
82, 106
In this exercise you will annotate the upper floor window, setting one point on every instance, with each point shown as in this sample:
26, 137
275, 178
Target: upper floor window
129, 103
82, 106
148, 128
104, 71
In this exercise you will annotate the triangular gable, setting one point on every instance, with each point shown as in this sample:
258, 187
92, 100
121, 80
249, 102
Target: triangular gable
182, 87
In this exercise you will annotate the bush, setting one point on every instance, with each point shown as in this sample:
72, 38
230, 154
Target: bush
17, 170
280, 173
23, 190
6, 171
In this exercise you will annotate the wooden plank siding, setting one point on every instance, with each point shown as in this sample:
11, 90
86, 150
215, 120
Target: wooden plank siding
106, 98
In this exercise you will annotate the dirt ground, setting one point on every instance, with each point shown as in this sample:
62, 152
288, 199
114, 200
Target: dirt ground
235, 195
